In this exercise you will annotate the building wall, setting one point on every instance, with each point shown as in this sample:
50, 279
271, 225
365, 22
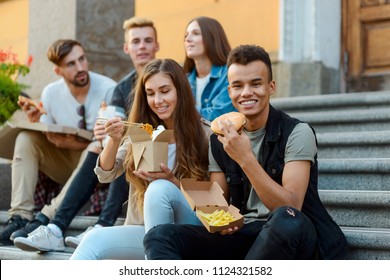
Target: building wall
244, 21
99, 26
48, 21
301, 24
309, 54
14, 26
35, 24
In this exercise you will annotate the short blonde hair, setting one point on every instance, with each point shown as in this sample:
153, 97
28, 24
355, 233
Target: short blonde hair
138, 22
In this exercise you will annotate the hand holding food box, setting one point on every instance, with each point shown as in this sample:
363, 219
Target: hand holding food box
207, 199
149, 151
218, 217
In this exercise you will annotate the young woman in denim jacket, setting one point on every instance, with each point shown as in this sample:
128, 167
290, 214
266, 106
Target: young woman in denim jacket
207, 48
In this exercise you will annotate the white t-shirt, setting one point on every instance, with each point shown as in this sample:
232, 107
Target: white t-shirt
201, 84
61, 106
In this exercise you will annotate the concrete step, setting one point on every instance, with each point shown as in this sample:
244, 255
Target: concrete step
5, 184
354, 174
368, 111
332, 102
77, 226
358, 208
355, 144
364, 244
13, 253
348, 120
368, 243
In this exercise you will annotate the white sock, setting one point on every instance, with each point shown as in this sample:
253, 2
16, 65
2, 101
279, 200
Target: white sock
55, 230
97, 226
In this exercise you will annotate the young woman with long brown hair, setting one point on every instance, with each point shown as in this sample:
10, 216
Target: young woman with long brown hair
207, 48
162, 97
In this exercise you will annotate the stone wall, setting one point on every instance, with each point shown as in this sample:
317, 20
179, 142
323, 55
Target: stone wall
300, 79
5, 184
96, 24
99, 27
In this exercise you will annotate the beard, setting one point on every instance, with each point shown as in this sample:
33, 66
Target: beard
80, 83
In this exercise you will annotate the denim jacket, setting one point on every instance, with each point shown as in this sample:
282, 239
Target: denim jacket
331, 242
215, 97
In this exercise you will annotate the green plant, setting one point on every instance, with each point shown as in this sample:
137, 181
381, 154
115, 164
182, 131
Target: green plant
10, 89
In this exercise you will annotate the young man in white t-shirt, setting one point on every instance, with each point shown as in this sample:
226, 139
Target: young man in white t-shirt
74, 100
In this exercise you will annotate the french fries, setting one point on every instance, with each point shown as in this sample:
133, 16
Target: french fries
218, 217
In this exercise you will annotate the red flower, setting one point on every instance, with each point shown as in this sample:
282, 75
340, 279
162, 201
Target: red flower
29, 61
10, 66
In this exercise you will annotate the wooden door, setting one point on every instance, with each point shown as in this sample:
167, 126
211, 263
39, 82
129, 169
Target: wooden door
366, 45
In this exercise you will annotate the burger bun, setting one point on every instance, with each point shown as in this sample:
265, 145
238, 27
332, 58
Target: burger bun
236, 118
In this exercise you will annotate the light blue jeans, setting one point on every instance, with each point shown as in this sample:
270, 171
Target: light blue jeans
164, 203
117, 243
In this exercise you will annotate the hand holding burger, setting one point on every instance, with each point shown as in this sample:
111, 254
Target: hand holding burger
237, 119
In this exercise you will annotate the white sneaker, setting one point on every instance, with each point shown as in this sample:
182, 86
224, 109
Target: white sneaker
42, 239
74, 241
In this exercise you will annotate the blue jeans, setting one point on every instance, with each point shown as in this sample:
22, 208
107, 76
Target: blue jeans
113, 243
118, 193
82, 188
164, 203
283, 236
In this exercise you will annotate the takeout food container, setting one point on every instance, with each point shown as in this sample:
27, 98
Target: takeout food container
207, 197
149, 152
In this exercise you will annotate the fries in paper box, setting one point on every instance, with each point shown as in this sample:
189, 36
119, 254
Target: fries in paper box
210, 205
149, 151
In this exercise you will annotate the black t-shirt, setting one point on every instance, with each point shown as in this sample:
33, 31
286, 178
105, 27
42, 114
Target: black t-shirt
122, 96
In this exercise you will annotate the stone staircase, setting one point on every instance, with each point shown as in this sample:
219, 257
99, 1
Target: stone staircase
353, 132
78, 225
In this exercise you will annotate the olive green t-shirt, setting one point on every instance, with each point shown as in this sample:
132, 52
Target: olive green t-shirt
301, 145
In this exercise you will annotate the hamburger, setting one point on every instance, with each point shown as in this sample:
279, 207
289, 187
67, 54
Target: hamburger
237, 119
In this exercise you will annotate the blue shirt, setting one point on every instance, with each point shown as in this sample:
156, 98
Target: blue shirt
215, 99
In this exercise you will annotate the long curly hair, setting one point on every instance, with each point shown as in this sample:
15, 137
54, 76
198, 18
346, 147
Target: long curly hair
191, 141
215, 42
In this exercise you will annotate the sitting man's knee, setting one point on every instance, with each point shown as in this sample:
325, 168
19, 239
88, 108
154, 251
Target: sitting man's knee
26, 139
157, 234
288, 219
95, 147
